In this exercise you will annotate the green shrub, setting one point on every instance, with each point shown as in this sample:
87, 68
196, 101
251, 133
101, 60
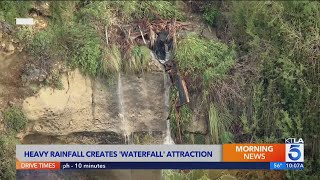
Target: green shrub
151, 10
84, 49
78, 44
185, 116
282, 37
42, 44
7, 157
9, 10
219, 125
163, 9
76, 32
14, 119
288, 78
210, 15
63, 11
139, 59
24, 34
207, 58
96, 13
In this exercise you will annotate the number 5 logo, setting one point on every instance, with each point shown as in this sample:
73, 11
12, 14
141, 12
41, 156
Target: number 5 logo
294, 149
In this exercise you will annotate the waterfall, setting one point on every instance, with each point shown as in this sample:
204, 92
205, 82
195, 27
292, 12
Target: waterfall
168, 139
121, 107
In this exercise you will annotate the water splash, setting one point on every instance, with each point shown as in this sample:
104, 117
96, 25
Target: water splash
168, 139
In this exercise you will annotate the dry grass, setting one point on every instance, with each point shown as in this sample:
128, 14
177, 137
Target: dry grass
139, 60
111, 61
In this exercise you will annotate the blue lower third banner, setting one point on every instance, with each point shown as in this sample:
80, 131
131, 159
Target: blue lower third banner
286, 166
164, 165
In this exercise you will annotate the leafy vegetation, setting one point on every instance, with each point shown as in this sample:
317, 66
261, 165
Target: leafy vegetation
7, 157
75, 42
146, 9
272, 90
43, 44
219, 124
84, 49
24, 34
205, 62
62, 12
96, 14
76, 34
282, 37
180, 119
9, 10
210, 15
111, 61
277, 42
262, 89
139, 59
208, 58
14, 119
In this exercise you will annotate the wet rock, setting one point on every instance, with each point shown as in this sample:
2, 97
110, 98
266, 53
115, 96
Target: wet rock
161, 43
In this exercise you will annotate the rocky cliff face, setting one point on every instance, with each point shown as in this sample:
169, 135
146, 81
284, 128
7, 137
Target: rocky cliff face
97, 111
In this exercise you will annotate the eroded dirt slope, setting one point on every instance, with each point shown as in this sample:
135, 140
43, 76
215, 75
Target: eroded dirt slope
11, 88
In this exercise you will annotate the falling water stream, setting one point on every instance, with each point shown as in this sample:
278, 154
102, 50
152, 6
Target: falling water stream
168, 139
126, 131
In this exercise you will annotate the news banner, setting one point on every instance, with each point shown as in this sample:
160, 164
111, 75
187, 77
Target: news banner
286, 156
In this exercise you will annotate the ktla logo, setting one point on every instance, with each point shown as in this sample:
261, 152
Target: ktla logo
294, 150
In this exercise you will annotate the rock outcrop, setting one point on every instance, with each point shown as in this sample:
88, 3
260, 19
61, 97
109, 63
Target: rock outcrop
199, 120
62, 111
92, 111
